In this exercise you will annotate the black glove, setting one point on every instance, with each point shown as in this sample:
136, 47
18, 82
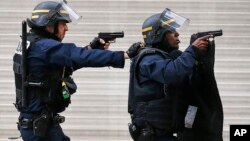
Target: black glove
133, 49
96, 44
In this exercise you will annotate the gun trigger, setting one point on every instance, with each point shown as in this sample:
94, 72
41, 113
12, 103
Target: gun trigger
211, 39
112, 41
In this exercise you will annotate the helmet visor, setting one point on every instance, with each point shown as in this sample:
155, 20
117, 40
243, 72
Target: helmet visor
173, 21
66, 9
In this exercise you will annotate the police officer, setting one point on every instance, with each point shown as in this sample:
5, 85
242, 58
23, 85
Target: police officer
50, 64
159, 77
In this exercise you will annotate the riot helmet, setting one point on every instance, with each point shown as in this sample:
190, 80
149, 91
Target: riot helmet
155, 27
50, 13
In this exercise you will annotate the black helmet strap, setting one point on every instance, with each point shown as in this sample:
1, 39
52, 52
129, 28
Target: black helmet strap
54, 34
56, 28
157, 26
43, 33
51, 18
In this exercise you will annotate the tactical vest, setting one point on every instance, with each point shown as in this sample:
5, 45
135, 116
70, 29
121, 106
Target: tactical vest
54, 90
164, 111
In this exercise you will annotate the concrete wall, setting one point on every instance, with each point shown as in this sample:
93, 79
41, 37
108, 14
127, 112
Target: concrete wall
99, 109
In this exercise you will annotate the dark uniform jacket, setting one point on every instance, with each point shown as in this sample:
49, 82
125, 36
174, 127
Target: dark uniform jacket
155, 78
47, 59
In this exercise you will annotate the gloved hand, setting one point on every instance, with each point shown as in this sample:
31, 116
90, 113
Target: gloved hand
97, 43
134, 48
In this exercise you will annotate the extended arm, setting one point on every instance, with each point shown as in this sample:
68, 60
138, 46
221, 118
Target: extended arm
168, 71
67, 54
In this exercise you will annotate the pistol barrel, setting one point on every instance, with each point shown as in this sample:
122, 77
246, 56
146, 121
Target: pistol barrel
214, 33
217, 33
117, 34
111, 34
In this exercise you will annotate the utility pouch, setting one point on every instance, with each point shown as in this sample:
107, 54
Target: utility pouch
68, 87
40, 125
65, 91
70, 84
134, 132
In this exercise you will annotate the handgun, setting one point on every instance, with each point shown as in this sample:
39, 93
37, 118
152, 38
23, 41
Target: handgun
110, 36
201, 34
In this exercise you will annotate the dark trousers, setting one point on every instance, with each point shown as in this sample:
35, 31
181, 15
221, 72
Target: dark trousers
55, 134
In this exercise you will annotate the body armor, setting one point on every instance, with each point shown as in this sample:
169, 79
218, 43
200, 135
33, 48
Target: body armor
164, 111
48, 89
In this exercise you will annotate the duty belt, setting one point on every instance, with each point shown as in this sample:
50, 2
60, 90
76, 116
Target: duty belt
28, 123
